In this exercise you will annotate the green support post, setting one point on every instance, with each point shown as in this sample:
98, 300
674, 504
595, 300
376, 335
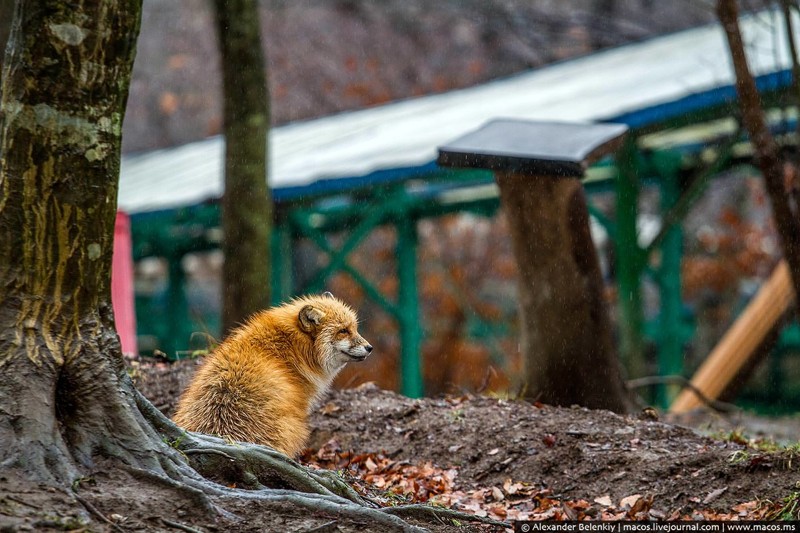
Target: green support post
305, 229
282, 280
410, 331
629, 262
373, 218
177, 309
670, 346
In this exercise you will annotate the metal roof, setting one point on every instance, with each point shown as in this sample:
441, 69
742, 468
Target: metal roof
538, 148
636, 84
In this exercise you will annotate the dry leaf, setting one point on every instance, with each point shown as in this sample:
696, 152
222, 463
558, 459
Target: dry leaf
497, 494
713, 495
629, 501
329, 408
605, 501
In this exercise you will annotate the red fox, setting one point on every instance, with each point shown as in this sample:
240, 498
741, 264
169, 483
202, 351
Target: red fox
261, 382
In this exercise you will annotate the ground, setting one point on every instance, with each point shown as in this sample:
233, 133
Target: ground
494, 457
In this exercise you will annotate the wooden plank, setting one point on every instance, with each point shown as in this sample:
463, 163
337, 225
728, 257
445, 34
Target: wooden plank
741, 341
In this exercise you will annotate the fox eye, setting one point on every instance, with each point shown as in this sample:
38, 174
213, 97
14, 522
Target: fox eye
343, 331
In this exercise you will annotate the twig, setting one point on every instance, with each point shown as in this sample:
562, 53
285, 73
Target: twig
722, 407
21, 502
178, 525
93, 510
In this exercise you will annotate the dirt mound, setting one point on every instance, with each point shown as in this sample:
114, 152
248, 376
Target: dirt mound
576, 453
573, 453
491, 457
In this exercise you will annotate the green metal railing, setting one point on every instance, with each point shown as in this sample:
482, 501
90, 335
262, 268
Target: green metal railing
172, 234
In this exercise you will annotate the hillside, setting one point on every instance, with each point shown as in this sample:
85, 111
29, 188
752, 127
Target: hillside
330, 56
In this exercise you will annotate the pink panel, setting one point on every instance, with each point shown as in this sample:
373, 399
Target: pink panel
122, 284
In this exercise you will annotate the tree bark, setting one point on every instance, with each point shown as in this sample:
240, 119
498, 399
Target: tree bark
246, 207
6, 16
63, 94
566, 335
768, 155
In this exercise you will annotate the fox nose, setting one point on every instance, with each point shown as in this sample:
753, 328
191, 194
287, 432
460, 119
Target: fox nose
368, 348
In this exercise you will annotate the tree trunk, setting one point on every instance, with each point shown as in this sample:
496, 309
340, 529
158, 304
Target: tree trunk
66, 400
6, 16
246, 207
566, 335
767, 153
63, 92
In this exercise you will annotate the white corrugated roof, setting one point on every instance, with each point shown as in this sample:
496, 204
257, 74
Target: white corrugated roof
407, 133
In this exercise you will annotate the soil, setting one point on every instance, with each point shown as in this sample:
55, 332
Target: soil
483, 443
575, 452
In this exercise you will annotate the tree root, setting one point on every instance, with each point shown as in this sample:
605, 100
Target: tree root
273, 477
428, 512
196, 495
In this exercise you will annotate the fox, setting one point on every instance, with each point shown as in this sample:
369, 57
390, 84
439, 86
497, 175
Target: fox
260, 384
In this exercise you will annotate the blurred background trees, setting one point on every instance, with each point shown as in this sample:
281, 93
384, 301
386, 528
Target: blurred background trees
325, 57
246, 204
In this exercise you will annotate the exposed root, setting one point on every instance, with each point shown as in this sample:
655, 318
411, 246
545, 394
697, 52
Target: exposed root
339, 486
427, 512
191, 451
245, 463
330, 505
198, 496
272, 477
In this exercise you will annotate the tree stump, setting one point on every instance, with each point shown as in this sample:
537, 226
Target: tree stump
566, 334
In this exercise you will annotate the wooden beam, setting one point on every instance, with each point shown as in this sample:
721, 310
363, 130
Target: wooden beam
741, 341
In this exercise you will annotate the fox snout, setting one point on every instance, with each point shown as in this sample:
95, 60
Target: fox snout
356, 348
360, 349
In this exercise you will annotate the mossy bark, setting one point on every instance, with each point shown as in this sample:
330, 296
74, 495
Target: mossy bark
246, 206
566, 334
64, 86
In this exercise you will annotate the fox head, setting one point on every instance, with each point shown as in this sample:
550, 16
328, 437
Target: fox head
333, 326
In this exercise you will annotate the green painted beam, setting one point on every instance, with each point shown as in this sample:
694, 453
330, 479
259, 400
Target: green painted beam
375, 216
697, 185
319, 239
411, 383
670, 342
609, 225
177, 310
629, 261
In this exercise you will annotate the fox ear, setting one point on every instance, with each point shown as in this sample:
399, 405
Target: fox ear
310, 318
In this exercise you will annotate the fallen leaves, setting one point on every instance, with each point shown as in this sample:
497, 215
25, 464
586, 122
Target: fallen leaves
390, 482
414, 483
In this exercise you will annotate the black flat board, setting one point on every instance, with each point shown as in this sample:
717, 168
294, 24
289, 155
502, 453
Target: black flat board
531, 147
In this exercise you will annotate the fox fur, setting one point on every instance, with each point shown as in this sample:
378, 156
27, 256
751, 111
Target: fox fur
261, 382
